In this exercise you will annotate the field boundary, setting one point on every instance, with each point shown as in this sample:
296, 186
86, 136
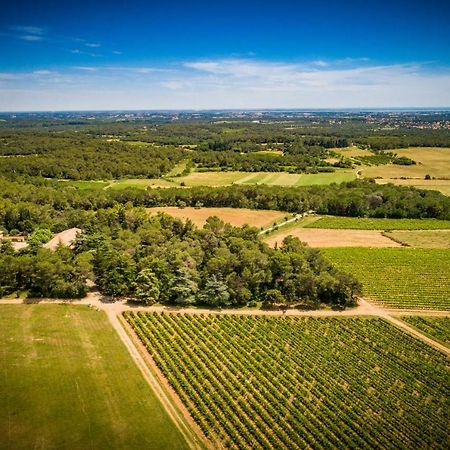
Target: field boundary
193, 439
168, 395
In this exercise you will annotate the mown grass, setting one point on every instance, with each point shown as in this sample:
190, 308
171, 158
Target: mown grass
398, 277
363, 223
265, 178
68, 382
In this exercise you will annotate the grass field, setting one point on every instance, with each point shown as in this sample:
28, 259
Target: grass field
318, 237
359, 223
233, 216
140, 183
291, 383
352, 152
266, 178
67, 382
430, 161
422, 238
437, 328
399, 277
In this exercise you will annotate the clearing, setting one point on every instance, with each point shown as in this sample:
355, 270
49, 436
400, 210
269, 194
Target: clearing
234, 216
398, 277
68, 382
254, 381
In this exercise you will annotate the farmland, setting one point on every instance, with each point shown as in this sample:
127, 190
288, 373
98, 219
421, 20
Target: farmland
362, 223
68, 382
398, 277
430, 161
264, 178
296, 383
334, 237
436, 327
422, 238
234, 216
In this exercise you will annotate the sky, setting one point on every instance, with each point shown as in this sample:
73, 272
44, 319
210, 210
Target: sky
98, 55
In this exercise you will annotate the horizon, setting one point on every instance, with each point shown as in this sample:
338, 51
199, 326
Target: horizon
98, 56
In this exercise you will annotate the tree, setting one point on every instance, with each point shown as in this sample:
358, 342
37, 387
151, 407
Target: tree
215, 293
147, 287
183, 288
274, 297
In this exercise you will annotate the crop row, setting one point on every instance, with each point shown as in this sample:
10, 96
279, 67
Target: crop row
265, 382
436, 327
362, 223
399, 277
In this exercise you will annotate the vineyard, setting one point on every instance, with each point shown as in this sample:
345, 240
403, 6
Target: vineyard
363, 223
436, 327
398, 277
267, 382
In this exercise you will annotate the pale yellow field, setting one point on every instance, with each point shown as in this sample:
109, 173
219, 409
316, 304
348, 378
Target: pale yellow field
435, 185
423, 238
430, 161
352, 152
322, 237
233, 216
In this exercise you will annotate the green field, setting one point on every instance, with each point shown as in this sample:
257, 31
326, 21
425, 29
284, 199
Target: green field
67, 382
289, 383
398, 277
362, 223
435, 327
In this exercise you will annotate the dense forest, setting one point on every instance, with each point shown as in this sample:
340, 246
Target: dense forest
161, 259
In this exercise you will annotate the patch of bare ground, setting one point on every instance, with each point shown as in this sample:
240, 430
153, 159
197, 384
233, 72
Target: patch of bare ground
323, 237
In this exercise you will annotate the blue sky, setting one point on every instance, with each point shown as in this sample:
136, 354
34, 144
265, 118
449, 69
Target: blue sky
155, 54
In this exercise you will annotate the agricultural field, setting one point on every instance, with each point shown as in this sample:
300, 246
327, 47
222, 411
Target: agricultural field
362, 223
398, 277
265, 178
333, 237
433, 185
234, 216
430, 161
68, 382
422, 238
352, 152
437, 328
270, 382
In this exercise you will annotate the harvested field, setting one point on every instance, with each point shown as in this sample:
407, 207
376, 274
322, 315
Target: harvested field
419, 183
233, 216
352, 152
321, 237
423, 238
430, 161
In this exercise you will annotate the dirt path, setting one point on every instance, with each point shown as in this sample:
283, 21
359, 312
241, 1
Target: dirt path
192, 439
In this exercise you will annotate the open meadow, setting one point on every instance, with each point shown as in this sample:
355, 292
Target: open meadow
68, 382
290, 383
234, 216
434, 162
398, 277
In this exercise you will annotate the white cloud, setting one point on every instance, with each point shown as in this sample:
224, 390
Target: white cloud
230, 83
89, 44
